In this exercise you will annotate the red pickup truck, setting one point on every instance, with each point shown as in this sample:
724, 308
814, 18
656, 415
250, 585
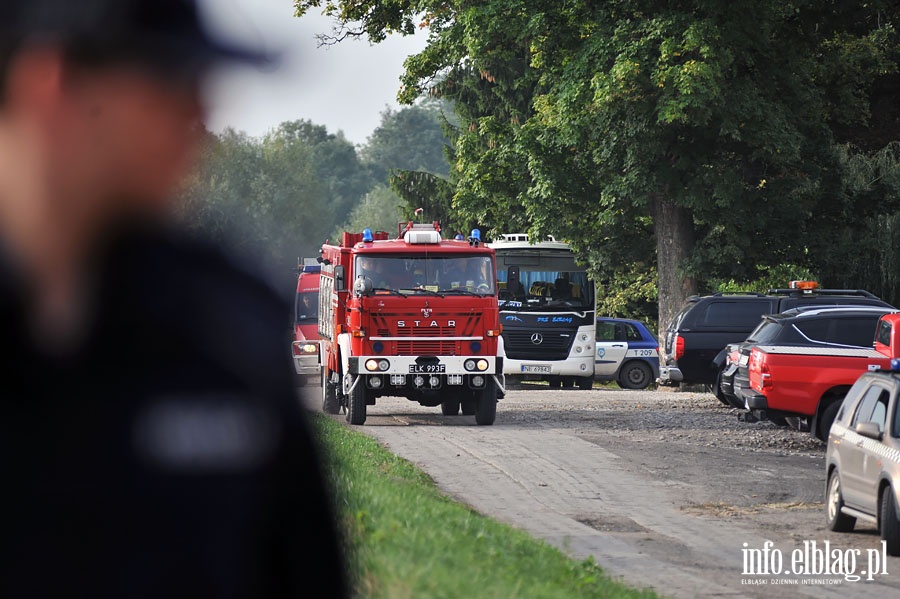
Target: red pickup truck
809, 383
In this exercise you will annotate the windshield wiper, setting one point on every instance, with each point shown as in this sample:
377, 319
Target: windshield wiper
420, 290
462, 291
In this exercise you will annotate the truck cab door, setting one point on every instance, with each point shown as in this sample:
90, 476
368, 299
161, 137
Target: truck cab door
611, 347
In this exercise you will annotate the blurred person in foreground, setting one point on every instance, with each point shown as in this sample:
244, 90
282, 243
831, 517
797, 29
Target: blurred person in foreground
152, 444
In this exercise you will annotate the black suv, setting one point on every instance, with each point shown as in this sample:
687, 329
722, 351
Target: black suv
807, 326
694, 350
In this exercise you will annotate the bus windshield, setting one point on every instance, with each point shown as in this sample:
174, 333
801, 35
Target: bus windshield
553, 289
443, 274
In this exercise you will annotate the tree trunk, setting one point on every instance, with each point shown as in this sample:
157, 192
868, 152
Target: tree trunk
674, 227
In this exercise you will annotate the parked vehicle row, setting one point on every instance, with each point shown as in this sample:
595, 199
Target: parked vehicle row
814, 354
827, 362
694, 350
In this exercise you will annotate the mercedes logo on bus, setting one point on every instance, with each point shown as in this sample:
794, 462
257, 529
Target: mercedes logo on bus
537, 338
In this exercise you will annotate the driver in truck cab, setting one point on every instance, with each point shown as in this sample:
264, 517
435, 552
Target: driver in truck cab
373, 270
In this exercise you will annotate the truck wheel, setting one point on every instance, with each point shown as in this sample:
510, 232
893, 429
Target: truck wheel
356, 408
450, 407
568, 382
635, 375
827, 419
889, 523
486, 408
330, 402
585, 383
834, 501
469, 406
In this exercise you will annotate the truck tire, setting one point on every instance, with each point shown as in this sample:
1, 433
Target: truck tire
888, 522
585, 383
450, 407
486, 408
834, 501
469, 406
635, 374
827, 419
330, 402
356, 404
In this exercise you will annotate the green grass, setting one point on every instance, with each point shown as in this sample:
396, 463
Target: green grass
407, 540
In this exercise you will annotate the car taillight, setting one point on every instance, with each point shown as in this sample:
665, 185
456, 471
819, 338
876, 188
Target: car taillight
734, 357
679, 347
759, 369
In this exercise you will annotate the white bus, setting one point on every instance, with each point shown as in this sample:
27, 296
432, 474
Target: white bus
547, 311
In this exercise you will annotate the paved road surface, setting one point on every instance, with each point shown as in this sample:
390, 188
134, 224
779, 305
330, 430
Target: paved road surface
662, 489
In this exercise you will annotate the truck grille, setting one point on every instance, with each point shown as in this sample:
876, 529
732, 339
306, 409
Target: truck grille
554, 346
416, 346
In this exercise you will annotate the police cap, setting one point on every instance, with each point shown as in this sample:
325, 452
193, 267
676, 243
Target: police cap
167, 34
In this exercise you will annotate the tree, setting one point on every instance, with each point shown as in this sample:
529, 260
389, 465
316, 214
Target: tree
704, 129
274, 199
380, 210
411, 139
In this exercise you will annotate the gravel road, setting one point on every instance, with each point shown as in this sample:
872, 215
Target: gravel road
661, 488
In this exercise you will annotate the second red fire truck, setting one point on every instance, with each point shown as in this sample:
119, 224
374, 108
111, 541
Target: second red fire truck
413, 317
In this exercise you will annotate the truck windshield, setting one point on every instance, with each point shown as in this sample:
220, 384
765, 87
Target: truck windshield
443, 274
547, 289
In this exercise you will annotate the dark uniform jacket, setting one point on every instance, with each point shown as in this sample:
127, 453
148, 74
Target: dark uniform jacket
167, 455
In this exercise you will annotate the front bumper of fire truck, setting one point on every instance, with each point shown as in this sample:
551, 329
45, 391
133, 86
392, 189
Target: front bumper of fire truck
427, 372
307, 361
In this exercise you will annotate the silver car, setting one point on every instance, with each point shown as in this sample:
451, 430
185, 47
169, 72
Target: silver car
863, 458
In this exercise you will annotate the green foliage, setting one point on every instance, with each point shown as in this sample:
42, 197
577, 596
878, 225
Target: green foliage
410, 139
769, 277
629, 293
406, 539
580, 119
380, 210
276, 198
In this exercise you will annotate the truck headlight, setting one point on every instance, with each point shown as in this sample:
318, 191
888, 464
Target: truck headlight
305, 349
373, 365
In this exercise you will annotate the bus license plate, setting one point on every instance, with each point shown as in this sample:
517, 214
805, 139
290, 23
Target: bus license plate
536, 368
427, 368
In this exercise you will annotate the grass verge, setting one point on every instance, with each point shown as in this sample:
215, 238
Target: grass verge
408, 540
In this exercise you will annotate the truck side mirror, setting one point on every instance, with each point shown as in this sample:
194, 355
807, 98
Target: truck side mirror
340, 278
512, 280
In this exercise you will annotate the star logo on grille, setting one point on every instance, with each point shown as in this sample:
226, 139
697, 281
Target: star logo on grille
537, 338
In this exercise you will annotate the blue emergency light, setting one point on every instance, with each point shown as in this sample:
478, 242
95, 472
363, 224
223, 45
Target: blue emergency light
476, 234
367, 236
459, 237
895, 364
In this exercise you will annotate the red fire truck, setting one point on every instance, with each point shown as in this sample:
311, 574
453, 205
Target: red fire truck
305, 344
412, 317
